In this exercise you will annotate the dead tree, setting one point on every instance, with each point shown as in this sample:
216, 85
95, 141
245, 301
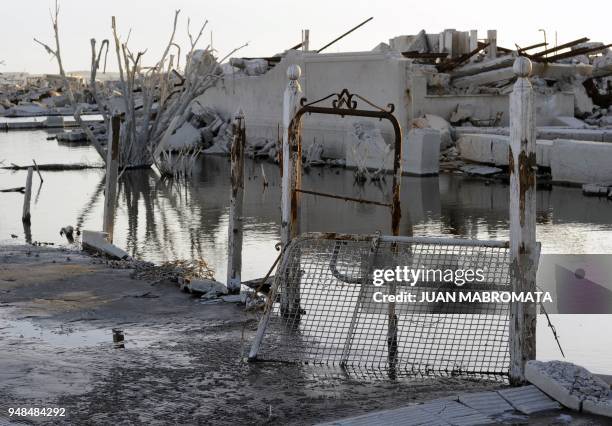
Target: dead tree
164, 107
160, 107
58, 57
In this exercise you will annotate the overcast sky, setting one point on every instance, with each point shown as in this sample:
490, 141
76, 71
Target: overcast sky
272, 26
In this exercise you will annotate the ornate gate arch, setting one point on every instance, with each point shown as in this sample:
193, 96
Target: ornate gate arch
343, 104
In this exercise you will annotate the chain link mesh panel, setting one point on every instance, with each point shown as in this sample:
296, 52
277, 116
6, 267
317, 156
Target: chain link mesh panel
322, 308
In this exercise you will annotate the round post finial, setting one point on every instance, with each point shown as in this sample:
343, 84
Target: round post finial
294, 72
522, 67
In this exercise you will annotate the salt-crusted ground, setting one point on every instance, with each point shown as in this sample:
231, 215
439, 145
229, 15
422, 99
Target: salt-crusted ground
182, 361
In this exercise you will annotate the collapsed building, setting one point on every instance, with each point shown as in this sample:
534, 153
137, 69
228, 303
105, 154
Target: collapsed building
452, 82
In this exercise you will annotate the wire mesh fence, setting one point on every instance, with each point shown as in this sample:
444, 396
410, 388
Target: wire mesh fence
327, 307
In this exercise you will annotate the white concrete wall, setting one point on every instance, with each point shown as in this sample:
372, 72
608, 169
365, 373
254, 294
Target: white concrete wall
379, 77
486, 106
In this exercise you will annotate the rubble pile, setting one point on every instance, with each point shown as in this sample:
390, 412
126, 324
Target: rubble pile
204, 129
575, 379
43, 96
459, 63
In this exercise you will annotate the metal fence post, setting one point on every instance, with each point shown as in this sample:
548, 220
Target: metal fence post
234, 258
291, 99
523, 249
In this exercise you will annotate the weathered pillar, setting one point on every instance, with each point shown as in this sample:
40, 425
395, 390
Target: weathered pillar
292, 172
25, 216
112, 172
449, 46
418, 92
492, 39
234, 256
523, 248
305, 40
473, 42
291, 99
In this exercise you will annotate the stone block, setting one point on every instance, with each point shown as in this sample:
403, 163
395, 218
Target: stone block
97, 241
483, 148
210, 289
543, 152
421, 152
581, 161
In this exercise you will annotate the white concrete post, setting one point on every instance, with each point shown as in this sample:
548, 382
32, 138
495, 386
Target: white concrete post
449, 46
418, 91
235, 232
291, 100
492, 49
112, 173
305, 40
473, 43
523, 248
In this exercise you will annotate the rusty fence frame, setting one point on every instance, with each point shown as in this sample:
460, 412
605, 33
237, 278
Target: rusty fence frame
374, 240
343, 105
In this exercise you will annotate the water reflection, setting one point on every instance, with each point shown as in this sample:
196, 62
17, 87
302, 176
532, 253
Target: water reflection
161, 220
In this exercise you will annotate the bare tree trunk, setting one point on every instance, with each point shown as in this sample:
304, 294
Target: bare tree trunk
77, 113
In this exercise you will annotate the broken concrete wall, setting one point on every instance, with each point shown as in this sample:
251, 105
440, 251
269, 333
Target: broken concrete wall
379, 77
485, 106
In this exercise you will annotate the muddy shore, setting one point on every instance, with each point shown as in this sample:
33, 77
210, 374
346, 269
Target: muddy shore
182, 362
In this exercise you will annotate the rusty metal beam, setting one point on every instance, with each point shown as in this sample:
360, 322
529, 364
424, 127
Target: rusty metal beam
530, 47
453, 63
560, 47
572, 53
423, 55
345, 34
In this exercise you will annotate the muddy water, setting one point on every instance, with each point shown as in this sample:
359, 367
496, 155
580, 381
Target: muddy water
159, 220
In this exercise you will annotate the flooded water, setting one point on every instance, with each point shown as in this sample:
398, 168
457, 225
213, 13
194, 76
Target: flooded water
158, 220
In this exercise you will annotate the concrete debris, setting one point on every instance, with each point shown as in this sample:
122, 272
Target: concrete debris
250, 67
597, 189
431, 121
185, 137
568, 383
421, 153
207, 288
419, 43
382, 47
72, 136
261, 148
25, 95
473, 169
222, 141
97, 242
461, 115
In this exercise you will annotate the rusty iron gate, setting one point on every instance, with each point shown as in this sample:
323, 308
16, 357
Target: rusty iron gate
343, 104
322, 307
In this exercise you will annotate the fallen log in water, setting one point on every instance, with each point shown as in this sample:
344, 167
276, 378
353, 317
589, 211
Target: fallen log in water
18, 189
56, 167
